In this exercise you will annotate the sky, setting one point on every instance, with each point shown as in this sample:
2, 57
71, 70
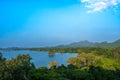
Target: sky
41, 23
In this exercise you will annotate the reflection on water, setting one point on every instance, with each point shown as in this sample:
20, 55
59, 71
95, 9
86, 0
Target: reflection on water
40, 58
51, 54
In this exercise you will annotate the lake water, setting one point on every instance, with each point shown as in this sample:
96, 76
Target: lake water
40, 58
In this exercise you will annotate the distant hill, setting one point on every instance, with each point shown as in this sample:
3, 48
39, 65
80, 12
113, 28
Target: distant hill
80, 44
91, 44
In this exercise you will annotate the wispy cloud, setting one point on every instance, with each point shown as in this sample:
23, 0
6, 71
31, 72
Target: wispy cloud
98, 5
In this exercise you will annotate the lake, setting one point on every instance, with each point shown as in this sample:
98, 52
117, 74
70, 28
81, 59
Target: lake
40, 58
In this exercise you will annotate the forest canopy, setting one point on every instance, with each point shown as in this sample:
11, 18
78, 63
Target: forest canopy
89, 64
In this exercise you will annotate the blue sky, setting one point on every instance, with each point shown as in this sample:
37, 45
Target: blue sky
39, 23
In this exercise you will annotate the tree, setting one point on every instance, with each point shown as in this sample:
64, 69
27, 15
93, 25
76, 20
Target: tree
52, 64
16, 68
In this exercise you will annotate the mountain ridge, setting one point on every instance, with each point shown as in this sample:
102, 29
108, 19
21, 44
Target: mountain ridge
87, 43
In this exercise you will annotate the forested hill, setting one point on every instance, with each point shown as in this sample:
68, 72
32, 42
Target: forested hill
80, 44
91, 44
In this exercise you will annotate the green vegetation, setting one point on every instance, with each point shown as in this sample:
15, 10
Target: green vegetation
15, 69
90, 64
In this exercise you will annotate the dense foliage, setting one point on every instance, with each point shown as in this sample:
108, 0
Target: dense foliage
89, 64
15, 69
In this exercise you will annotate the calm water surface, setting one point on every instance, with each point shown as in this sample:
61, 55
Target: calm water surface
40, 58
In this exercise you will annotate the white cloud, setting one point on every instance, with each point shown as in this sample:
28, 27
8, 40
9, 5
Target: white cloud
98, 5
